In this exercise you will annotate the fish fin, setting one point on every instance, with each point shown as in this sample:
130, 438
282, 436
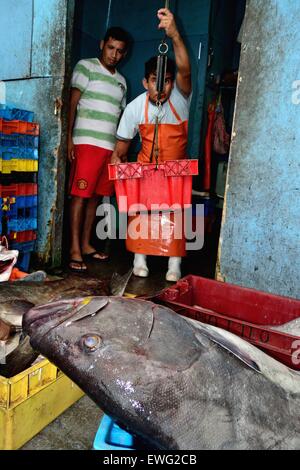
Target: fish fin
235, 351
119, 283
215, 335
88, 309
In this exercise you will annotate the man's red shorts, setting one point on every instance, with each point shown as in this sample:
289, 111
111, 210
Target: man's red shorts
89, 172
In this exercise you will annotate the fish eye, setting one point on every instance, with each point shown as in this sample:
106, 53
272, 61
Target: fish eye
91, 342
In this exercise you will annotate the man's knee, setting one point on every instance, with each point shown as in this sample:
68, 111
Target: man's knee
77, 201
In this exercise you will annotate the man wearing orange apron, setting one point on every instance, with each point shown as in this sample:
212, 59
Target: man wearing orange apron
166, 128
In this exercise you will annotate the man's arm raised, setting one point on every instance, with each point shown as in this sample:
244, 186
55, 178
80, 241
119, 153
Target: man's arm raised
183, 77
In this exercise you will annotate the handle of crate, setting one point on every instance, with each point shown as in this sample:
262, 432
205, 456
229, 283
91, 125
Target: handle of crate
122, 171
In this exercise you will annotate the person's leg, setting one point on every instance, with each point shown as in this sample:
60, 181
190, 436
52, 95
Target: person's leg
103, 188
90, 214
85, 172
140, 268
76, 216
174, 271
83, 179
106, 200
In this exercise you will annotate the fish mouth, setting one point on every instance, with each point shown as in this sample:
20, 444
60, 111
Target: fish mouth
6, 264
40, 320
48, 315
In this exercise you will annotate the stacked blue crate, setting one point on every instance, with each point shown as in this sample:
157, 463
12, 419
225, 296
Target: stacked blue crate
18, 146
21, 211
25, 249
22, 218
10, 114
19, 140
1, 215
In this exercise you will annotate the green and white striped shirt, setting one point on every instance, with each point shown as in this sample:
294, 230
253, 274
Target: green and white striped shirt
100, 105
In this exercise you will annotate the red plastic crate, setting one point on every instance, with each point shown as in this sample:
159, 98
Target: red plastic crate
245, 312
19, 189
19, 127
23, 237
143, 184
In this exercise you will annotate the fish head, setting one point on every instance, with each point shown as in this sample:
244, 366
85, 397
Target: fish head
124, 353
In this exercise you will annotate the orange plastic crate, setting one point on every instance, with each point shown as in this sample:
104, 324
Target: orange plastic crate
144, 184
19, 127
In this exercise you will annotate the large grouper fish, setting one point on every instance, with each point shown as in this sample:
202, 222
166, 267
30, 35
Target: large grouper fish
175, 383
16, 298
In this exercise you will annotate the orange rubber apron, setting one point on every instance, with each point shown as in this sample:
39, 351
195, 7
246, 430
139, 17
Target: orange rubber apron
172, 143
172, 138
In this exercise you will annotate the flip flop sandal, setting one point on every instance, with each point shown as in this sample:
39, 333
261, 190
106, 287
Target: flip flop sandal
91, 257
82, 268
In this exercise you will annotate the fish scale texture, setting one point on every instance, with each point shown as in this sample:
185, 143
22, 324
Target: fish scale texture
165, 380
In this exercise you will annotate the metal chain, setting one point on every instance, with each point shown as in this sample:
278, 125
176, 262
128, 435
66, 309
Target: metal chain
156, 151
155, 147
163, 49
162, 59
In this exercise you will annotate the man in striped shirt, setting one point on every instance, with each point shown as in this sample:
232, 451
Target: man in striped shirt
98, 96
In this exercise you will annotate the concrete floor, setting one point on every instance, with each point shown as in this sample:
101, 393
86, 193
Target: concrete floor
76, 427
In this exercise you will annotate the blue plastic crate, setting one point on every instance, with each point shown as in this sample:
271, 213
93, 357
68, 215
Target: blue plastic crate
9, 140
19, 146
28, 141
111, 437
23, 261
11, 153
10, 113
19, 140
28, 202
25, 250
1, 214
21, 224
24, 208
21, 202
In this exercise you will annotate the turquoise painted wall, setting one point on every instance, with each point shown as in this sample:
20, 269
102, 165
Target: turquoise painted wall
260, 239
33, 51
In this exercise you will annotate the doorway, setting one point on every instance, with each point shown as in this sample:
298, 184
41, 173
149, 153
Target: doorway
211, 35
